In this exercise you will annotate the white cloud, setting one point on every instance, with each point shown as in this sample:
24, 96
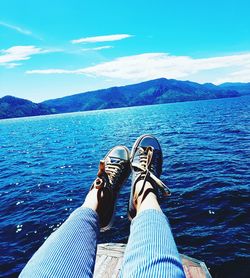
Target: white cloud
242, 75
107, 38
97, 48
11, 65
9, 57
154, 65
50, 71
16, 28
20, 30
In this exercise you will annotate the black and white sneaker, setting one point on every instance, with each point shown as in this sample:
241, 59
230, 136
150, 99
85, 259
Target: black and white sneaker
113, 172
146, 164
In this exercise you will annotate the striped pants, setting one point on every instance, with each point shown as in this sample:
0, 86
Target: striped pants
71, 250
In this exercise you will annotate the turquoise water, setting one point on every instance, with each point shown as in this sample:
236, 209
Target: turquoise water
48, 163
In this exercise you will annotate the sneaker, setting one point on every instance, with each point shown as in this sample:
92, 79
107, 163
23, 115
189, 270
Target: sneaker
146, 164
113, 172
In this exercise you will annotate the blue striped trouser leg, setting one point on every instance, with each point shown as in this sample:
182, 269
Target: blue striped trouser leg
68, 252
151, 250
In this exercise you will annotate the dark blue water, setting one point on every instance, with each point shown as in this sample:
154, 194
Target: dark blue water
47, 165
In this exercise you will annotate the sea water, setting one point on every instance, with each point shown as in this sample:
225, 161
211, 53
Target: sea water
48, 163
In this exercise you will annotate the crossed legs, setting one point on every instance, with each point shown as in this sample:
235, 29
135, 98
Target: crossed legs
151, 251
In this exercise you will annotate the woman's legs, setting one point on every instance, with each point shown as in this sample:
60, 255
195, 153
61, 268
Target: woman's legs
151, 250
71, 250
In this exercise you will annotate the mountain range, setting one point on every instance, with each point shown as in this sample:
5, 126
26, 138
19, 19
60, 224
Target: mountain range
146, 93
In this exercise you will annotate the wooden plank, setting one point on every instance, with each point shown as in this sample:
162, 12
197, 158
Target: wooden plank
118, 268
104, 268
110, 256
186, 270
99, 261
196, 272
194, 268
113, 250
110, 268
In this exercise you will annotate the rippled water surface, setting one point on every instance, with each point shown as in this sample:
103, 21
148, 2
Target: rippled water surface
47, 165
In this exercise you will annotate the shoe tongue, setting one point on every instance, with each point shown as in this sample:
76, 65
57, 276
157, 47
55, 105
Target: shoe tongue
112, 159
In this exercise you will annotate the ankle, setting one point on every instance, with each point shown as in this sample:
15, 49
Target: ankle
150, 202
91, 200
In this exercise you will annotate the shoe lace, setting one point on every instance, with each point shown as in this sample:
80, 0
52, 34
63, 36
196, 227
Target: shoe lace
147, 169
144, 157
113, 171
108, 174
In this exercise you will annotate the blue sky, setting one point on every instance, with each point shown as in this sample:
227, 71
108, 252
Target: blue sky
49, 49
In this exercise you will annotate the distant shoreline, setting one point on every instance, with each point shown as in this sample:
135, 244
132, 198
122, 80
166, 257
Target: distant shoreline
158, 91
107, 109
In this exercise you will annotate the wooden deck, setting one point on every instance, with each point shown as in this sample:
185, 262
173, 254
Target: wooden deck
110, 255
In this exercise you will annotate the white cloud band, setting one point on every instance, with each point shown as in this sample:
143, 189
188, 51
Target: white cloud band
107, 38
154, 65
9, 57
16, 28
97, 48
